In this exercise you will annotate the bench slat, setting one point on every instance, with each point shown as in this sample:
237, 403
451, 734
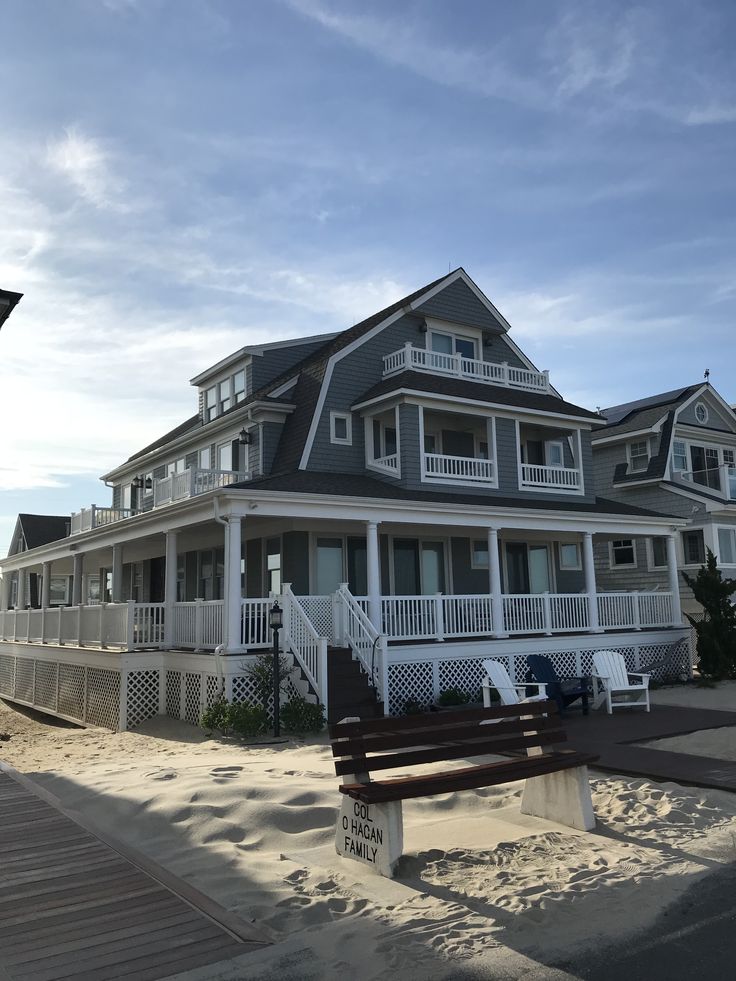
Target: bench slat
343, 729
482, 746
468, 778
388, 739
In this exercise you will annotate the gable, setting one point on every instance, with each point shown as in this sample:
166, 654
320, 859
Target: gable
458, 303
719, 417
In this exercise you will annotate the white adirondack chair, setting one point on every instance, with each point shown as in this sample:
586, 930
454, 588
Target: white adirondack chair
510, 694
611, 678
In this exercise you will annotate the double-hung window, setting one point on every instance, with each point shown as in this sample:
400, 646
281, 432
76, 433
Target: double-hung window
623, 554
679, 456
238, 387
224, 393
727, 546
658, 553
639, 455
442, 343
693, 547
210, 404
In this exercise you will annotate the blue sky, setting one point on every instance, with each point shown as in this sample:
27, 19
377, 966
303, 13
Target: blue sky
181, 178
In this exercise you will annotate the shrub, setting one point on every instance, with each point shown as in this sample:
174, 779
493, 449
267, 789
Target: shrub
300, 716
261, 673
716, 632
217, 715
237, 718
413, 707
453, 696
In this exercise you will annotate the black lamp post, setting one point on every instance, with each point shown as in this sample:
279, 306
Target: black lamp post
275, 622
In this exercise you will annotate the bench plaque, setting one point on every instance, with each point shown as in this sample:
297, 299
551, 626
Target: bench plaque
370, 833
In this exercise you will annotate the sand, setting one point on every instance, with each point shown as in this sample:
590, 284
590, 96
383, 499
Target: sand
718, 744
484, 892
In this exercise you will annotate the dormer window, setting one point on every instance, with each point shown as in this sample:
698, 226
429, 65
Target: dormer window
445, 343
238, 387
679, 456
224, 393
639, 456
210, 404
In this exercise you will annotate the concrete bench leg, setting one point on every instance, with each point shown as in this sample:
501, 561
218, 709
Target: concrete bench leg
371, 833
563, 797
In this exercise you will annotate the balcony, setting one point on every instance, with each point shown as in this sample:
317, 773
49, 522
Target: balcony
175, 487
442, 467
550, 478
419, 359
720, 481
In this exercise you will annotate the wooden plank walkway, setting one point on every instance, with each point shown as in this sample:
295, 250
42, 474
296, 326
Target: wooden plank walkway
79, 908
614, 737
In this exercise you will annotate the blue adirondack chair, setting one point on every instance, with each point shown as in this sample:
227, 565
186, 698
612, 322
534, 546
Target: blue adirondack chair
562, 691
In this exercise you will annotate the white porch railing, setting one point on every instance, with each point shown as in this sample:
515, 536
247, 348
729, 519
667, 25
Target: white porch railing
103, 625
96, 517
300, 637
355, 629
421, 359
563, 478
255, 631
198, 625
458, 467
192, 482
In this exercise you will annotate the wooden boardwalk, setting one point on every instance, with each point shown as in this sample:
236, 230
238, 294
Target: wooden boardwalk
76, 907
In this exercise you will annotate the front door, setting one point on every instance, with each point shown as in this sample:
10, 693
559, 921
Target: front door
329, 572
527, 568
158, 579
419, 567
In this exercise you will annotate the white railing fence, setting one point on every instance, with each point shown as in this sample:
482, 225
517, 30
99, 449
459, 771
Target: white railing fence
191, 482
256, 633
198, 625
491, 372
535, 475
353, 628
96, 517
458, 467
301, 638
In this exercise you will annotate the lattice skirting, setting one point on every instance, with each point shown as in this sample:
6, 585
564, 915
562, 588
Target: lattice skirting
420, 682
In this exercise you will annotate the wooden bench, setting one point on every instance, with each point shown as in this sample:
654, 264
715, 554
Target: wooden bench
370, 825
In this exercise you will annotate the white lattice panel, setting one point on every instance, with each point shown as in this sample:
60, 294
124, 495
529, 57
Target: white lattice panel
45, 685
193, 698
409, 682
71, 691
244, 690
173, 694
142, 696
103, 698
464, 673
24, 679
7, 674
674, 666
319, 611
567, 664
213, 688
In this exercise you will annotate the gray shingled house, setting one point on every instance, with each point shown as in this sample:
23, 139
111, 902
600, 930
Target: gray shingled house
675, 453
414, 490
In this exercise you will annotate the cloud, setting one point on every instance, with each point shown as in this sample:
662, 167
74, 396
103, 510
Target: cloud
87, 166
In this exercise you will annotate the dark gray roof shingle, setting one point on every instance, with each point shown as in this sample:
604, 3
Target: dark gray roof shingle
40, 529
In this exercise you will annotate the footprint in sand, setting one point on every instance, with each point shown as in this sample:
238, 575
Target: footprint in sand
162, 775
226, 771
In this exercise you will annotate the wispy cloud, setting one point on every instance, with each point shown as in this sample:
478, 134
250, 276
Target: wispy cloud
84, 162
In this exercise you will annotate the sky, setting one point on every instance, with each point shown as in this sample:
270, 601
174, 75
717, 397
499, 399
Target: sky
178, 179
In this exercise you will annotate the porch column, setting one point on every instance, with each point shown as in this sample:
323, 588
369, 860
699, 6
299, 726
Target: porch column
45, 585
170, 588
5, 591
674, 580
77, 578
590, 588
494, 577
233, 593
117, 574
21, 600
373, 569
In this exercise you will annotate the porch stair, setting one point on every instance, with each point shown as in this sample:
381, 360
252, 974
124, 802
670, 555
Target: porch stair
349, 693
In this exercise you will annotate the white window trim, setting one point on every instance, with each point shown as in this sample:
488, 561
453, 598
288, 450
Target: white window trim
334, 438
702, 406
554, 442
470, 335
685, 562
370, 455
650, 557
616, 566
446, 482
629, 456
473, 563
421, 540
578, 551
717, 529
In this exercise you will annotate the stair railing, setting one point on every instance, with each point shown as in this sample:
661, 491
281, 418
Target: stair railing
300, 637
360, 635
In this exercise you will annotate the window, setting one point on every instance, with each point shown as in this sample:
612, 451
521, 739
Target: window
569, 556
679, 456
728, 457
693, 547
554, 455
384, 441
225, 402
273, 565
453, 344
210, 404
639, 455
658, 554
430, 442
701, 413
341, 428
181, 578
623, 554
58, 590
479, 554
225, 456
205, 458
93, 590
727, 546
238, 387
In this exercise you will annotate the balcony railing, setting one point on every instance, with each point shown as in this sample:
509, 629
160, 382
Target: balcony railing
718, 480
549, 478
175, 487
445, 467
419, 359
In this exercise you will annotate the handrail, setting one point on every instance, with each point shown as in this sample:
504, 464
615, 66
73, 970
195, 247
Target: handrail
301, 638
362, 637
491, 372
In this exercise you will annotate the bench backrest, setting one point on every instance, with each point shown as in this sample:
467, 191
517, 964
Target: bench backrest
542, 669
499, 678
611, 665
387, 744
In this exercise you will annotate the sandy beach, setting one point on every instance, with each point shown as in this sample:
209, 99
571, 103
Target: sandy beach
482, 888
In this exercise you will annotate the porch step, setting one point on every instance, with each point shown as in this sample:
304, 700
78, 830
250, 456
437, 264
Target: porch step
349, 693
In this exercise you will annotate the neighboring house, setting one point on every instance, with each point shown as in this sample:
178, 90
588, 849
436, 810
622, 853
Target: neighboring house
8, 302
410, 480
28, 588
674, 453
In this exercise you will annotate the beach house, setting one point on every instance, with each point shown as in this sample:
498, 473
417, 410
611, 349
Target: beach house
413, 489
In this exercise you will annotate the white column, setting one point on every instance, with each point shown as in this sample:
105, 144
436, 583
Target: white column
494, 579
4, 591
590, 588
77, 578
170, 588
674, 580
233, 592
21, 601
117, 574
373, 569
45, 585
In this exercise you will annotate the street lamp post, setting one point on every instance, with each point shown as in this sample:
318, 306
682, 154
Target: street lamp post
275, 622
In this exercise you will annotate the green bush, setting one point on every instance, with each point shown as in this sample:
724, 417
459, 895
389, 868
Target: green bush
413, 707
300, 716
261, 674
217, 715
453, 696
716, 632
240, 718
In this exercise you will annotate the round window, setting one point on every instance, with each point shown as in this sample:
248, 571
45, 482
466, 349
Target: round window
701, 413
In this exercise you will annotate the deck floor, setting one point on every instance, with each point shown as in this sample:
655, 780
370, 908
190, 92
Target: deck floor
614, 737
74, 907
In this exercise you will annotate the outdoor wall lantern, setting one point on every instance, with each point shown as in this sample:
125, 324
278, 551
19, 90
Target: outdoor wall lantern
276, 622
244, 437
137, 483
